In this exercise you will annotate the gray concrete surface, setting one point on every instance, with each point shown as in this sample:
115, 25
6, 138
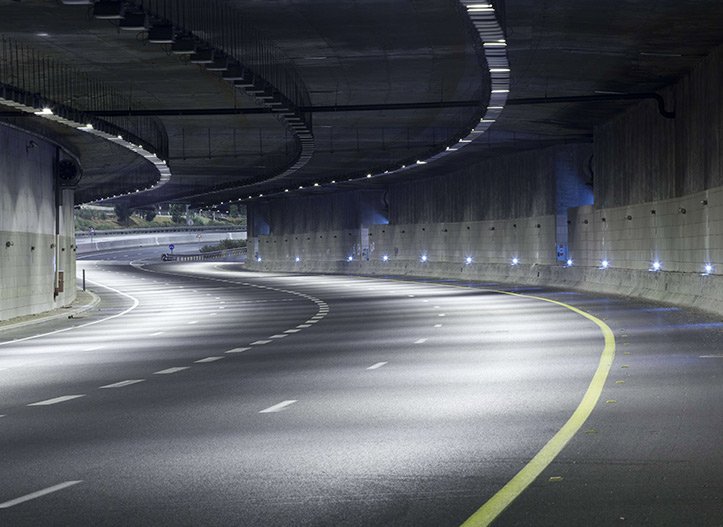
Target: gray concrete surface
413, 403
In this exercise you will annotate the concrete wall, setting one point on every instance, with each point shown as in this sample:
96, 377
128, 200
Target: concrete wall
30, 252
101, 242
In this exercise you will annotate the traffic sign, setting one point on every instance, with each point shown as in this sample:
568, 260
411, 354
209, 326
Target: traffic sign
171, 247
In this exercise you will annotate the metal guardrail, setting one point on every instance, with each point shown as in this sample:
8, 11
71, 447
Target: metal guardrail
200, 257
160, 230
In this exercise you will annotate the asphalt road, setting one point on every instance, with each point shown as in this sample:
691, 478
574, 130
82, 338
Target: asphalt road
199, 394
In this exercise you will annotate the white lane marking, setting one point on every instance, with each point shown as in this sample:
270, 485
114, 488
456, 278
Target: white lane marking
168, 371
222, 307
278, 407
136, 302
94, 348
420, 341
38, 494
121, 384
425, 300
292, 331
411, 296
208, 359
438, 325
237, 350
260, 342
57, 400
442, 315
193, 322
213, 314
377, 365
311, 322
711, 356
303, 326
436, 307
156, 333
279, 336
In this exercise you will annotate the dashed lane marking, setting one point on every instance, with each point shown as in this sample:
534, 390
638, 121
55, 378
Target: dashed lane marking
292, 331
278, 407
57, 400
711, 356
420, 341
260, 342
377, 365
438, 325
169, 371
193, 322
38, 494
93, 348
156, 333
122, 384
207, 359
238, 350
303, 326
279, 336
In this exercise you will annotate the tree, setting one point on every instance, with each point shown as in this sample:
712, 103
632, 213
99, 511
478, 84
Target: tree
123, 213
177, 211
233, 211
150, 214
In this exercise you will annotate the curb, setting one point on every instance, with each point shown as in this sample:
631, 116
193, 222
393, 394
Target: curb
55, 314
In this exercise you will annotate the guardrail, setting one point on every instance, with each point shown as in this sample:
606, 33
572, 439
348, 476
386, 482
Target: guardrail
155, 230
200, 257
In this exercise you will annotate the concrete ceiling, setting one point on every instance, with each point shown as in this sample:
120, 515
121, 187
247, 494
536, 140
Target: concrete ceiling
369, 52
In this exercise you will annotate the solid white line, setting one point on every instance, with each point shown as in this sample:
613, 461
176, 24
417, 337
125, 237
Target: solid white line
121, 384
260, 342
208, 359
39, 493
168, 371
292, 331
279, 336
56, 400
711, 356
278, 407
237, 350
377, 365
420, 341
156, 333
136, 302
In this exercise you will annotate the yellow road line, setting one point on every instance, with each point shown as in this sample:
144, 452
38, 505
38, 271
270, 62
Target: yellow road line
488, 512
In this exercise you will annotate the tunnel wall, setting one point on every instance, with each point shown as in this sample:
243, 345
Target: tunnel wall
29, 250
658, 196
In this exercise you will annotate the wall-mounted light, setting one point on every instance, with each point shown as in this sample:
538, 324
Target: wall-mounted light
682, 210
258, 258
569, 262
708, 268
349, 258
515, 260
656, 266
297, 259
468, 260
385, 258
9, 244
424, 258
604, 264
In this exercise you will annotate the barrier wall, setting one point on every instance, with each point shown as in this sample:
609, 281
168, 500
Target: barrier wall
100, 242
30, 251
